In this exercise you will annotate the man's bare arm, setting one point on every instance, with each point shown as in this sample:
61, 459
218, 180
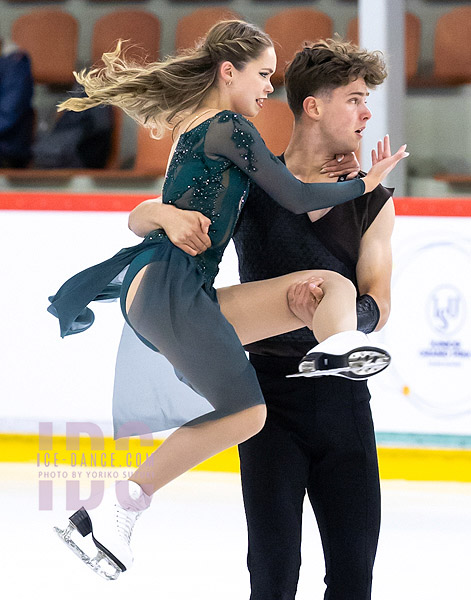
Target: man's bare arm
374, 265
187, 229
147, 216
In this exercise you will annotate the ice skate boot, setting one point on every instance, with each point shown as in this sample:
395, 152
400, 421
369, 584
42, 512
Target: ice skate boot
347, 354
110, 525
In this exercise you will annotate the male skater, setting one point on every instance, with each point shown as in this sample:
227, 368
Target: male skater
318, 437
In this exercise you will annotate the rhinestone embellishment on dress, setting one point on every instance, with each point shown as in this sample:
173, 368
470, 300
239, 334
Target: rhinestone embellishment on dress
196, 182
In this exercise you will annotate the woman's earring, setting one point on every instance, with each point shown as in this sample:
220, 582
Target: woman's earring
228, 82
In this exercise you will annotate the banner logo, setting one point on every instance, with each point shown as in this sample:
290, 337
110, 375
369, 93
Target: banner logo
446, 309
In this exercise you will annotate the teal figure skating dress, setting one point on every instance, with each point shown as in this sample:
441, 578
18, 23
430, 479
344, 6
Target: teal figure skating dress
175, 311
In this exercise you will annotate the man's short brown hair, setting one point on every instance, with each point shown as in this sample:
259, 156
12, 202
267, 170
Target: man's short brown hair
328, 64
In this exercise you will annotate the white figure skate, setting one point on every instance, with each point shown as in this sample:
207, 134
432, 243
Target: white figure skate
111, 525
347, 354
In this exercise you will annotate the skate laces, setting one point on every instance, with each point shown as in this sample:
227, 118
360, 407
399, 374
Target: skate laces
125, 521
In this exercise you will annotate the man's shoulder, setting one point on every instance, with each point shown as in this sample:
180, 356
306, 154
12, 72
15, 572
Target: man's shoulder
380, 191
365, 207
371, 201
345, 224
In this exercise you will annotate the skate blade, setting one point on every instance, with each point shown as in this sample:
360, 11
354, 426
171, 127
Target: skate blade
309, 374
367, 362
95, 564
359, 364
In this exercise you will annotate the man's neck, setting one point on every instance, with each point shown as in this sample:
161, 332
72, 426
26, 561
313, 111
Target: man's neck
306, 154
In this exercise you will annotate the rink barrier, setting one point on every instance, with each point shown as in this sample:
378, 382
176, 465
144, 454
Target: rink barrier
114, 202
408, 463
397, 460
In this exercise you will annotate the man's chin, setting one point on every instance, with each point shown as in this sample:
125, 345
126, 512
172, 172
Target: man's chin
348, 150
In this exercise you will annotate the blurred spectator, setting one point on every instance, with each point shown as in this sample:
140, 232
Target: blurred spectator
16, 112
77, 140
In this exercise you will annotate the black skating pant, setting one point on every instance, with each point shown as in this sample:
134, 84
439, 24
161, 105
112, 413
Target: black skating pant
318, 439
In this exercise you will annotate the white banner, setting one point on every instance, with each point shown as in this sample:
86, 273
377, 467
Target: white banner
45, 378
426, 388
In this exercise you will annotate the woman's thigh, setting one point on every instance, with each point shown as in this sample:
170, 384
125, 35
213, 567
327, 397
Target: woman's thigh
174, 314
259, 309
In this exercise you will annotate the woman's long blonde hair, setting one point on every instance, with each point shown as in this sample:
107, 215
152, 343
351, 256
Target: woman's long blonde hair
154, 94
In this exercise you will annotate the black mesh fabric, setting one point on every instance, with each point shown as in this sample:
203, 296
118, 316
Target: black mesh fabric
272, 241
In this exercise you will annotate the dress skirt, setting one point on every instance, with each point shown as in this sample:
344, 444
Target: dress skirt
189, 365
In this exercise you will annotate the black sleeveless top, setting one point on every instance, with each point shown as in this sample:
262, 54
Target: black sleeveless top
271, 241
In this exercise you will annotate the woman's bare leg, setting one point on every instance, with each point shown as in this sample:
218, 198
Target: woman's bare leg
337, 310
189, 446
256, 310
260, 309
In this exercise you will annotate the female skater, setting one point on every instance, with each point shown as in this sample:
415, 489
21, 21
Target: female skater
167, 296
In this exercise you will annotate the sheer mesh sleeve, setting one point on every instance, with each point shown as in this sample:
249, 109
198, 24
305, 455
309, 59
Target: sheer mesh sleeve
230, 136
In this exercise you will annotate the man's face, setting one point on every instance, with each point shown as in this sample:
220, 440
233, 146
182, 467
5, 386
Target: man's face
343, 116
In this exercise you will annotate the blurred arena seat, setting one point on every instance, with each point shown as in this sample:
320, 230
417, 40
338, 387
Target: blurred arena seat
141, 28
454, 178
452, 64
152, 155
275, 124
113, 161
412, 41
196, 24
50, 38
291, 27
452, 46
112, 1
150, 161
42, 2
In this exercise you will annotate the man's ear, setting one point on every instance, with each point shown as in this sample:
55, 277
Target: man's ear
312, 107
226, 72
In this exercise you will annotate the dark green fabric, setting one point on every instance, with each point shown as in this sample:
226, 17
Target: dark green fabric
209, 172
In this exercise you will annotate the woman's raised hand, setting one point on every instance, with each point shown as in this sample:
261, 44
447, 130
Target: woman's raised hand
342, 164
383, 163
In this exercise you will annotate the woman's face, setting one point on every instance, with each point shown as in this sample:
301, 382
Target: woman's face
251, 85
